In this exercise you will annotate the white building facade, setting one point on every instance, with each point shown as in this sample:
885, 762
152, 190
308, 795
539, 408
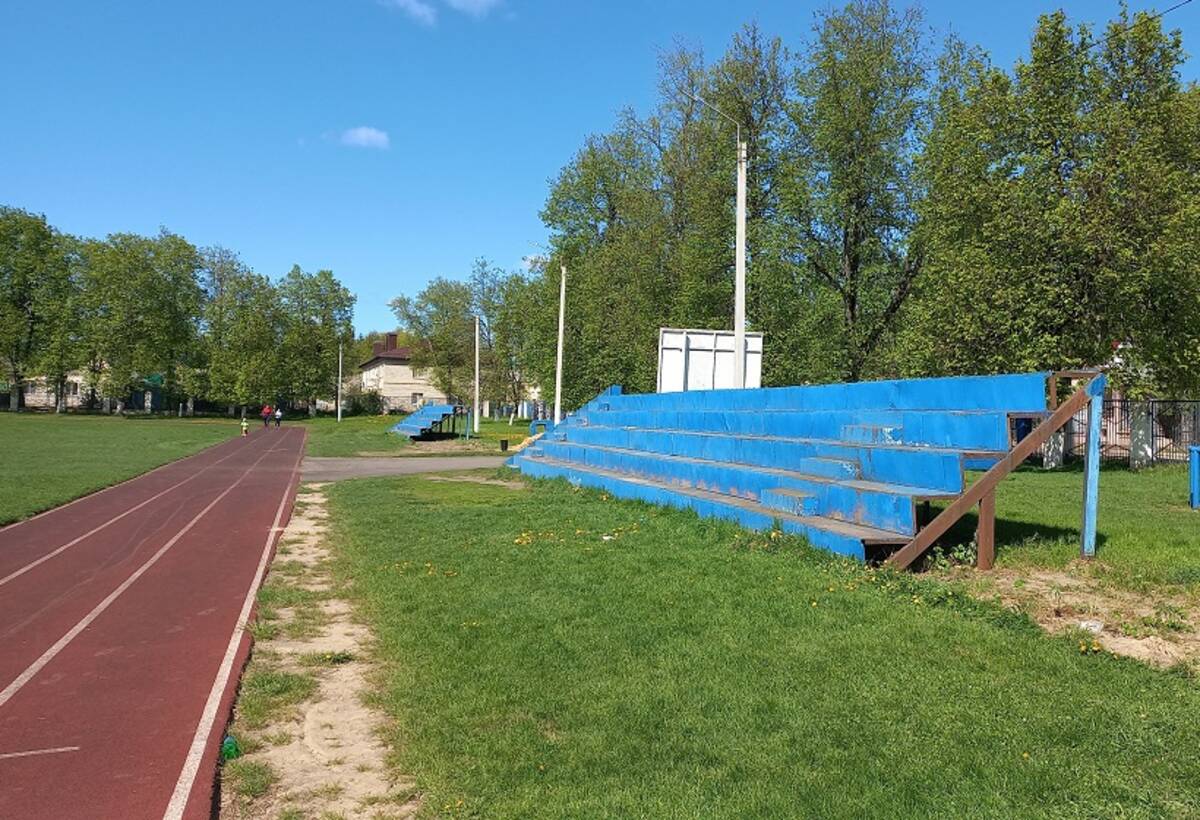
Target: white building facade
390, 373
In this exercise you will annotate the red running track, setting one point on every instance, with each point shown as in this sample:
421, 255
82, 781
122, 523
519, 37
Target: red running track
121, 632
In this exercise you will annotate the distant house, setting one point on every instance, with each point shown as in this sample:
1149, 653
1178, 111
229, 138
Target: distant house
390, 373
38, 393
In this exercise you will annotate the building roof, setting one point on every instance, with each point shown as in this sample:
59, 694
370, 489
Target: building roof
387, 351
397, 354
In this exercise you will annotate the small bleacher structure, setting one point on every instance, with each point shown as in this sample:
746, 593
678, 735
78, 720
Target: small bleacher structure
430, 421
845, 465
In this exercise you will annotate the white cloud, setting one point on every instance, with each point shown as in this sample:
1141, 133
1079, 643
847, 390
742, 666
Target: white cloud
364, 136
419, 10
475, 8
425, 12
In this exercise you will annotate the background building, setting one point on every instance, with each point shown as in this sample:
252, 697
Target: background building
389, 373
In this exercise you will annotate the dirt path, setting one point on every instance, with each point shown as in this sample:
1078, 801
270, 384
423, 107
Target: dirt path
312, 745
1159, 627
336, 469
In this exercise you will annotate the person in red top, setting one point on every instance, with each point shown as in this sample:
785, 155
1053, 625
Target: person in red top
266, 414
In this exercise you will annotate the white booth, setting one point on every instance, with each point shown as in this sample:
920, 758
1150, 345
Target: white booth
703, 360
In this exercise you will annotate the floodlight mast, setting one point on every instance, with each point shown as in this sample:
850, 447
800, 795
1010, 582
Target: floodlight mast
739, 283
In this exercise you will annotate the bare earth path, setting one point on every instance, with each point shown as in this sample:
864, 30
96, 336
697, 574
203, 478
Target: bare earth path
336, 469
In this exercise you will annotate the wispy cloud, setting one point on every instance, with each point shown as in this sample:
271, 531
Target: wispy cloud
364, 136
419, 10
425, 12
475, 8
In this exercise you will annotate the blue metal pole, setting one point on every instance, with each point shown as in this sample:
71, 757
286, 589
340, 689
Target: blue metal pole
1194, 472
1091, 466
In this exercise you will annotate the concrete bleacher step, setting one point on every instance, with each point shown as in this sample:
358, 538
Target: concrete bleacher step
796, 502
876, 504
424, 420
935, 467
839, 536
957, 429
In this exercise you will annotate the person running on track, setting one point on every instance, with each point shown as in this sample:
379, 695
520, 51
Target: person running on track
266, 415
278, 416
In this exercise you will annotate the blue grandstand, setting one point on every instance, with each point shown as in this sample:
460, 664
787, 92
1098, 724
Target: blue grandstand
845, 465
432, 419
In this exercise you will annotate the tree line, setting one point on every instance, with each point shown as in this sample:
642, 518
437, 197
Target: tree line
138, 312
913, 209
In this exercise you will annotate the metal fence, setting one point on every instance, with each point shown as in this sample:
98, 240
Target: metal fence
1173, 426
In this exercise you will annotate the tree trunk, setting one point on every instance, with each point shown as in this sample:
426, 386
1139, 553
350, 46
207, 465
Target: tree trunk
232, 411
14, 396
312, 408
191, 406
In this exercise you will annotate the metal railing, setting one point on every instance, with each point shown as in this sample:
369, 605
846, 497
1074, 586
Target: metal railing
1169, 428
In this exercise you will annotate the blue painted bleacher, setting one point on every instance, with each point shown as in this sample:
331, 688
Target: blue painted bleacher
842, 464
428, 419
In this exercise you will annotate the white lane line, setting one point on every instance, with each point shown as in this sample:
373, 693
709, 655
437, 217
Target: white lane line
113, 520
191, 765
83, 624
103, 490
36, 752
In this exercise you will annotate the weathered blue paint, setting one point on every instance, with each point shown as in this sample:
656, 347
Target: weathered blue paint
972, 430
885, 506
1091, 468
1194, 473
1013, 393
424, 420
708, 507
940, 469
844, 465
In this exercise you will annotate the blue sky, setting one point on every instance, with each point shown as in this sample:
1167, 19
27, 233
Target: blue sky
390, 140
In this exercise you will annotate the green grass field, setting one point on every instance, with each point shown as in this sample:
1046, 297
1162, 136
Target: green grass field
356, 435
555, 653
50, 459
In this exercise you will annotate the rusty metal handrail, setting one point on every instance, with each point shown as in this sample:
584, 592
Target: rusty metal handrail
981, 492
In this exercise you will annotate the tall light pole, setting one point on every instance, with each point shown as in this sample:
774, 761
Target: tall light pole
475, 423
562, 310
739, 281
339, 384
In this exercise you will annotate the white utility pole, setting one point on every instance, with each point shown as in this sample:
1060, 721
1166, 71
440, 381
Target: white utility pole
562, 311
475, 423
339, 384
739, 282
739, 285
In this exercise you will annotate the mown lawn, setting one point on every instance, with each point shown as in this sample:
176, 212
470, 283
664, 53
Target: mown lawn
51, 459
356, 435
554, 653
1147, 535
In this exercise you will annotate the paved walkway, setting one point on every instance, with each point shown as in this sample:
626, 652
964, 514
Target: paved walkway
335, 469
121, 632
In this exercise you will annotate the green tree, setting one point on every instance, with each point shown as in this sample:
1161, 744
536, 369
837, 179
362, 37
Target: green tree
244, 324
318, 313
441, 322
142, 297
32, 275
851, 190
61, 350
1056, 211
